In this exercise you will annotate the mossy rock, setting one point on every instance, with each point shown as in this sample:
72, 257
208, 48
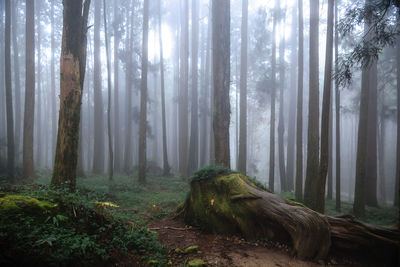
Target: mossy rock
11, 204
197, 263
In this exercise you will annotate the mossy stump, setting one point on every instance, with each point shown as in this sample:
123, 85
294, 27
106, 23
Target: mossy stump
231, 203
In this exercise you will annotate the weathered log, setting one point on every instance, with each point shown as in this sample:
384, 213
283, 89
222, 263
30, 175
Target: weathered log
233, 204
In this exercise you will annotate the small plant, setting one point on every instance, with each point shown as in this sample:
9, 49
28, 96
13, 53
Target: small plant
210, 172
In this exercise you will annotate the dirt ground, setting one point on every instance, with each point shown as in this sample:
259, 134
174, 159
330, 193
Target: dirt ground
216, 250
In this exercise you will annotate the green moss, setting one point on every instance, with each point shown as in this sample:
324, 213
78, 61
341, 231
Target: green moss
196, 263
210, 172
190, 249
16, 203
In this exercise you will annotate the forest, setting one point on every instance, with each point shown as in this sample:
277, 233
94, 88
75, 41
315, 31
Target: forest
199, 132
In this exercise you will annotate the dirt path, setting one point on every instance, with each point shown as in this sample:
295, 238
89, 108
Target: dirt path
216, 250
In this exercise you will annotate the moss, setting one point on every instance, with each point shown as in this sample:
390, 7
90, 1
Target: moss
196, 263
190, 249
17, 203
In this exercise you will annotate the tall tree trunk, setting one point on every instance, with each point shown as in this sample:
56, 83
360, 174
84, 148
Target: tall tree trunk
183, 96
143, 96
329, 194
326, 103
79, 164
17, 90
242, 161
312, 181
110, 143
397, 186
98, 134
28, 166
203, 101
337, 116
281, 123
292, 107
381, 150
72, 73
53, 84
38, 157
117, 133
221, 79
166, 167
299, 123
194, 121
9, 104
3, 112
271, 181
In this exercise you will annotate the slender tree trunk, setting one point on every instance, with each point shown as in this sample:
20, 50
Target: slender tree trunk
117, 133
329, 194
28, 166
337, 116
281, 123
397, 187
3, 112
38, 112
271, 181
312, 184
72, 73
221, 79
166, 167
143, 96
299, 123
98, 135
183, 98
110, 143
326, 103
381, 150
242, 161
53, 84
79, 166
203, 107
292, 107
9, 103
17, 90
194, 123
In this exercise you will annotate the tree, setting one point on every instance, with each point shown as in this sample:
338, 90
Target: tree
337, 114
9, 103
221, 79
38, 157
311, 184
143, 96
110, 143
194, 121
117, 134
72, 73
299, 123
281, 123
28, 166
53, 83
271, 181
397, 187
326, 103
242, 161
98, 135
183, 92
166, 167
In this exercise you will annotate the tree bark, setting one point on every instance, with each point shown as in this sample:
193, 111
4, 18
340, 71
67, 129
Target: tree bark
232, 204
242, 161
38, 113
299, 123
221, 79
117, 133
397, 183
194, 121
143, 96
166, 167
271, 179
9, 103
98, 135
72, 73
28, 166
53, 83
312, 181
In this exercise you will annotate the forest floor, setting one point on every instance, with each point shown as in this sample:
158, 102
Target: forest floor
153, 205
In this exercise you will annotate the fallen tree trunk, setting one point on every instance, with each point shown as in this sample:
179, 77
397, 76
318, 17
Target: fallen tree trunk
232, 204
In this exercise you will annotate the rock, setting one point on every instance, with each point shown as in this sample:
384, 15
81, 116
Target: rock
196, 263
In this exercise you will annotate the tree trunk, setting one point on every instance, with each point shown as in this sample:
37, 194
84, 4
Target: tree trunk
143, 96
98, 135
292, 107
329, 194
299, 123
117, 133
242, 161
194, 121
38, 157
17, 90
9, 103
381, 150
232, 204
312, 180
271, 181
397, 186
221, 79
53, 84
72, 73
337, 116
110, 142
29, 112
166, 167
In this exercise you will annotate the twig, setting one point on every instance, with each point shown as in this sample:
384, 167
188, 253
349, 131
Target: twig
172, 228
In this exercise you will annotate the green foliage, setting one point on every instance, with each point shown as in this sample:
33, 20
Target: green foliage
211, 172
